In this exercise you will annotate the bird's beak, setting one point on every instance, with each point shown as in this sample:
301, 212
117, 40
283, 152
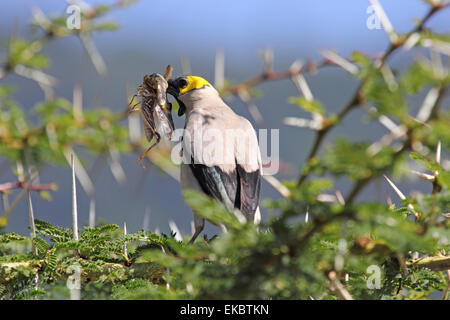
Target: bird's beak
173, 89
175, 92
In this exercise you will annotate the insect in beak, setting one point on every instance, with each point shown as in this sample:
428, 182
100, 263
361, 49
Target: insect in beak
155, 109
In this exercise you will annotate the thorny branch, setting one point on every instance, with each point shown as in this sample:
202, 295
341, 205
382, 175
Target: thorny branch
355, 100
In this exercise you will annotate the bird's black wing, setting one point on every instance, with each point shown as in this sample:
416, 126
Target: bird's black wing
216, 183
236, 189
249, 185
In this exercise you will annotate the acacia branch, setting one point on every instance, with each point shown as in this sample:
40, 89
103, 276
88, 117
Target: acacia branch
357, 99
438, 263
21, 185
360, 184
146, 270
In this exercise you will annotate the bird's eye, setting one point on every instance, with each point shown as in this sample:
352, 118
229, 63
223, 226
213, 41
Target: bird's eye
182, 83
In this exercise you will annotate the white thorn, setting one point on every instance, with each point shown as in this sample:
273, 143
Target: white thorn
80, 172
397, 190
302, 123
219, 69
388, 199
92, 213
411, 41
192, 227
251, 107
115, 166
35, 75
32, 225
340, 197
389, 78
386, 140
77, 103
134, 128
146, 221
173, 226
436, 64
267, 59
93, 54
387, 26
438, 153
125, 248
74, 200
277, 185
302, 86
339, 61
437, 45
401, 196
424, 176
427, 105
389, 124
185, 65
326, 198
240, 216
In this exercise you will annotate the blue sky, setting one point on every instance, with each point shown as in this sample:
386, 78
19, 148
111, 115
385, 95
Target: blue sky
291, 27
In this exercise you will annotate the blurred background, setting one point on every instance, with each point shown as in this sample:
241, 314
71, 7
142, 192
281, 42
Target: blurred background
154, 34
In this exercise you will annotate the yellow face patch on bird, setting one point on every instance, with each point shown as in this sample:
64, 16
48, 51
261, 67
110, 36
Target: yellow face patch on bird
193, 83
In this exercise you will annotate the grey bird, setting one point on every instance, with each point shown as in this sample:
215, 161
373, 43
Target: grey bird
220, 151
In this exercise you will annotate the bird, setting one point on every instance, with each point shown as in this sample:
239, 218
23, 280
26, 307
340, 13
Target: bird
220, 151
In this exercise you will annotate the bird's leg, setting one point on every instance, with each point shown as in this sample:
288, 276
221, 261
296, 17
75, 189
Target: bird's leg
199, 225
158, 138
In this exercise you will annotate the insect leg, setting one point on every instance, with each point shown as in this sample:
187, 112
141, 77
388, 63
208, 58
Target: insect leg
158, 138
132, 98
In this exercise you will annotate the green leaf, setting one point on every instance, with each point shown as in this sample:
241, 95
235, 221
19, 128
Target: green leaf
106, 26
41, 245
444, 179
8, 237
45, 195
352, 160
26, 53
420, 75
366, 67
309, 106
425, 162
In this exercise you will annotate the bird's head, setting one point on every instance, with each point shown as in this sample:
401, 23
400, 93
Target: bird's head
188, 88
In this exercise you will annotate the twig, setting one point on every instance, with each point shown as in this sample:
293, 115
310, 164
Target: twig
438, 263
444, 294
337, 286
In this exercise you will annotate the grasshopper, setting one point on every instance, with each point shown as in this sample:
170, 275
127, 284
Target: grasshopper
156, 111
